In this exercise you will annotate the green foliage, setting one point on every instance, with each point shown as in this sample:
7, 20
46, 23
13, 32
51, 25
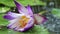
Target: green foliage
2, 20
24, 2
37, 29
56, 12
4, 9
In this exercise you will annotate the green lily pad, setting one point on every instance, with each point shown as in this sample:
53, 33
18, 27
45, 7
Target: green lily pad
24, 2
4, 9
32, 2
56, 12
37, 29
3, 21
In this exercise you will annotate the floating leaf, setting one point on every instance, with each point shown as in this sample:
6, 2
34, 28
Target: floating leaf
2, 20
4, 9
56, 12
35, 30
24, 2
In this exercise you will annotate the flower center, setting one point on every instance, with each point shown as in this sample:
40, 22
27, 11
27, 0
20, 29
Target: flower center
24, 20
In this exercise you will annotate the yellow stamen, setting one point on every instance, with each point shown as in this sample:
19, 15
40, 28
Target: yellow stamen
23, 21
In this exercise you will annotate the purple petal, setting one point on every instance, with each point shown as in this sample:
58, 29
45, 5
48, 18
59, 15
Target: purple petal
44, 18
15, 15
8, 17
40, 19
30, 23
13, 23
11, 15
21, 8
30, 10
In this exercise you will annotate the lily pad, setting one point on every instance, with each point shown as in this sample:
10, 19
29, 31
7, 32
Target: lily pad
4, 9
37, 29
3, 21
56, 12
24, 2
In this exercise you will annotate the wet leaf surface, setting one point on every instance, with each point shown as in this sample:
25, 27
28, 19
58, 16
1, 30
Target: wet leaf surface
37, 29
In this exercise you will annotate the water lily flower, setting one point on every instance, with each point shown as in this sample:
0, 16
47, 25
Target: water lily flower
20, 22
23, 20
